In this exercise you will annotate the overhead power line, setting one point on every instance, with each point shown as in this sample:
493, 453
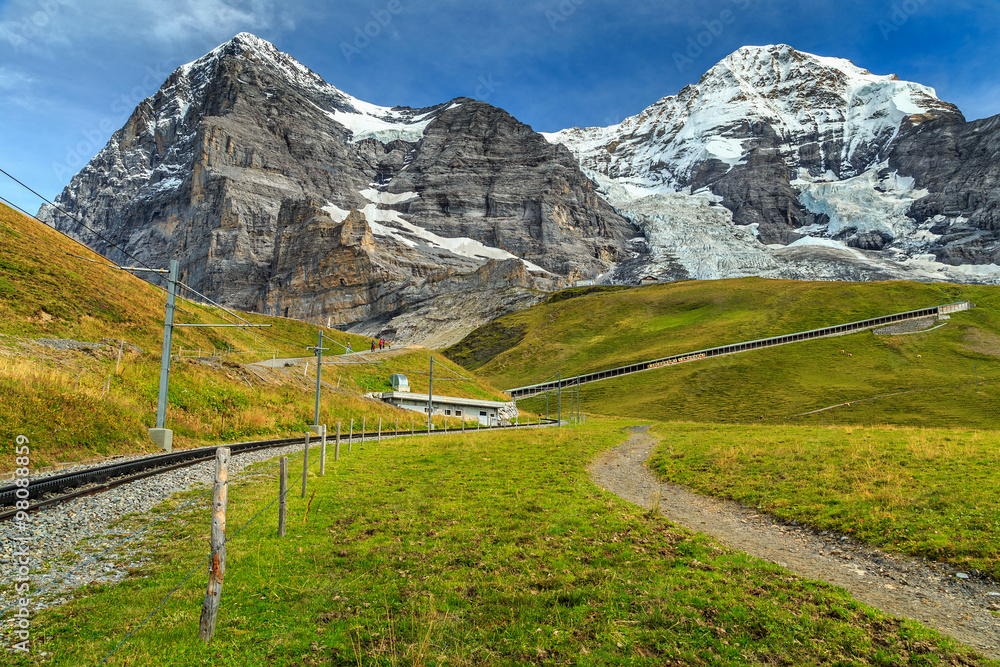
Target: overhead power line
86, 259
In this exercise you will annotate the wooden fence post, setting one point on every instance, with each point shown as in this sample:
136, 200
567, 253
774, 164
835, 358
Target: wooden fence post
336, 451
322, 454
364, 425
305, 464
283, 496
217, 562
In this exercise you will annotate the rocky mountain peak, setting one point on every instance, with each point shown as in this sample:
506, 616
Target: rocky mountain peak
279, 192
818, 113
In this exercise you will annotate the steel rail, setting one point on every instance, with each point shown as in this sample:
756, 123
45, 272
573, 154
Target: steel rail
118, 474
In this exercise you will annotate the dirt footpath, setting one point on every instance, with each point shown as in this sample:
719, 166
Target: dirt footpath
901, 586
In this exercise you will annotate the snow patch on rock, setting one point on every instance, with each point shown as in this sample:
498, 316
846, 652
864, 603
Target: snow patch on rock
387, 222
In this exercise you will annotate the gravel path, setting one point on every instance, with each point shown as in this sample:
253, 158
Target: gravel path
62, 538
932, 593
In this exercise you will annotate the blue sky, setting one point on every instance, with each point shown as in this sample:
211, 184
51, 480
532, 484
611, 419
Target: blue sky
71, 71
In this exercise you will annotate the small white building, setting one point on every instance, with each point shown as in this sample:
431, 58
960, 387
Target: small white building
488, 413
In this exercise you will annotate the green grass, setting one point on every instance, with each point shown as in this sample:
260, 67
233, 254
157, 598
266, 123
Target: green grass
611, 329
69, 419
494, 549
924, 492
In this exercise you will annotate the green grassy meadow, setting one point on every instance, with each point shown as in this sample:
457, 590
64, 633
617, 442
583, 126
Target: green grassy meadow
496, 548
925, 492
609, 329
491, 549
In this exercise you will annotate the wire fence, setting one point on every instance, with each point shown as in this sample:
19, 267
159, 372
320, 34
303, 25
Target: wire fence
255, 472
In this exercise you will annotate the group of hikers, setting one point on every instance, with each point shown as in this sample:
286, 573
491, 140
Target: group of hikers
383, 344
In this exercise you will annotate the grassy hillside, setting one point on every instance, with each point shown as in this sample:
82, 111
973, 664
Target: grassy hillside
609, 329
84, 402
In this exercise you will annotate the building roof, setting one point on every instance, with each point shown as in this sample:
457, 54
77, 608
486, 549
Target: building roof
471, 402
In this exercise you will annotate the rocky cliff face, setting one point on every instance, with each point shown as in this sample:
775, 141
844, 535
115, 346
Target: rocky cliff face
279, 192
514, 191
957, 165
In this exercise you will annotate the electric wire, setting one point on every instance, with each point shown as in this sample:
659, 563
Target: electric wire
282, 340
86, 259
219, 306
114, 545
13, 205
73, 218
200, 564
158, 608
269, 335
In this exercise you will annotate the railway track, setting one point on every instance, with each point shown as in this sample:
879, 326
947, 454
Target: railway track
59, 488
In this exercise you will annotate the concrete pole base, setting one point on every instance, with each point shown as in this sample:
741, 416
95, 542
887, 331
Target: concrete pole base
163, 437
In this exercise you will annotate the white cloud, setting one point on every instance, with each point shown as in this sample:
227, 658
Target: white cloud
13, 80
41, 27
15, 87
219, 19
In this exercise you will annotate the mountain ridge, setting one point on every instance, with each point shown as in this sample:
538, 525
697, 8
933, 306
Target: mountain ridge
244, 142
797, 148
771, 165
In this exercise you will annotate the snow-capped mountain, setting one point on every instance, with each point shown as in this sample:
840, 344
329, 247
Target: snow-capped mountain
280, 193
800, 150
825, 115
